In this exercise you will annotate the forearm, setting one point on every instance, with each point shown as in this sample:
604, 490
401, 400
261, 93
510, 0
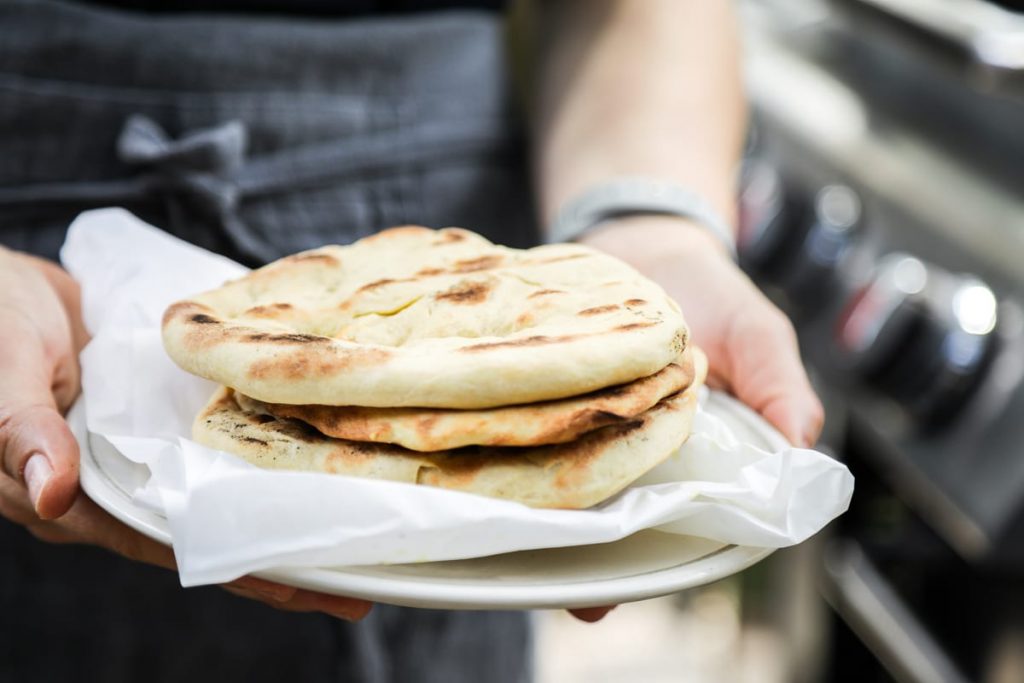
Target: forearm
637, 87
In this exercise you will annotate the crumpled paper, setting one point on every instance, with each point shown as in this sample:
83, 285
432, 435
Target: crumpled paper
229, 518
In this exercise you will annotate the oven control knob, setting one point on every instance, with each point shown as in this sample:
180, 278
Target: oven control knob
833, 224
874, 327
794, 242
920, 335
766, 219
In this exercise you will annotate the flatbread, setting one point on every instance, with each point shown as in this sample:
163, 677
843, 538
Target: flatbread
531, 424
413, 317
574, 475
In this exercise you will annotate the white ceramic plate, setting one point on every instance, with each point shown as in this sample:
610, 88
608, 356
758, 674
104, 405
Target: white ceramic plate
645, 565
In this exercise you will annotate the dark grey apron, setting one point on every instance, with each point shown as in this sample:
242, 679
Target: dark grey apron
255, 137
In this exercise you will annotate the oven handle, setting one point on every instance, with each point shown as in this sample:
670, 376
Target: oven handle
866, 601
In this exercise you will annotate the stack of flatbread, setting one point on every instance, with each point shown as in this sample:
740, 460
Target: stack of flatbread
554, 376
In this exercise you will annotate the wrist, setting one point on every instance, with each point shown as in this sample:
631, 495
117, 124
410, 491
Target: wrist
638, 196
642, 240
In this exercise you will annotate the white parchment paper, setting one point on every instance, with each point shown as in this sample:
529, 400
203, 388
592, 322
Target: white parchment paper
229, 518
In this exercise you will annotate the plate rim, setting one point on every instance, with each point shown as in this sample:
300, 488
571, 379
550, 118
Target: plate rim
406, 590
723, 562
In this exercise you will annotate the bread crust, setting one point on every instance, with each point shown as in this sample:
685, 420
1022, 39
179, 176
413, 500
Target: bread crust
573, 475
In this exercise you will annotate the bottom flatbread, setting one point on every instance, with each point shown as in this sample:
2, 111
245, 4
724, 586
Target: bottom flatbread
573, 475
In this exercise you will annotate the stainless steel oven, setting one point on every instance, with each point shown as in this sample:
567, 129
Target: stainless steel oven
883, 209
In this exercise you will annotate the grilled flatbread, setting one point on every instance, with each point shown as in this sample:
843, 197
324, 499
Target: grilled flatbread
413, 317
531, 424
572, 475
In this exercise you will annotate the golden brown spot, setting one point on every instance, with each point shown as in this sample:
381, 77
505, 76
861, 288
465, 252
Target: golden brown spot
380, 283
536, 340
634, 326
250, 439
540, 340
313, 257
202, 330
558, 259
598, 310
524, 319
449, 237
268, 310
180, 308
290, 338
328, 360
636, 302
545, 292
425, 425
481, 263
465, 293
398, 232
430, 272
296, 366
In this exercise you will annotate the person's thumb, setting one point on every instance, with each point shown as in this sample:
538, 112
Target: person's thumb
37, 448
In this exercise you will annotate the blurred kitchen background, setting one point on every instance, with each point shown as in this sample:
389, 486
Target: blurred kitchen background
883, 209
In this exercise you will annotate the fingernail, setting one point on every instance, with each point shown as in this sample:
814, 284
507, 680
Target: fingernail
37, 472
810, 434
794, 433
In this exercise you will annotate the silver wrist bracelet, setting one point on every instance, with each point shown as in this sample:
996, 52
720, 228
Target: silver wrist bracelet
628, 196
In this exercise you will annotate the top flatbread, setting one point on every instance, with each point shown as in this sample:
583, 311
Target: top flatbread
413, 317
531, 424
